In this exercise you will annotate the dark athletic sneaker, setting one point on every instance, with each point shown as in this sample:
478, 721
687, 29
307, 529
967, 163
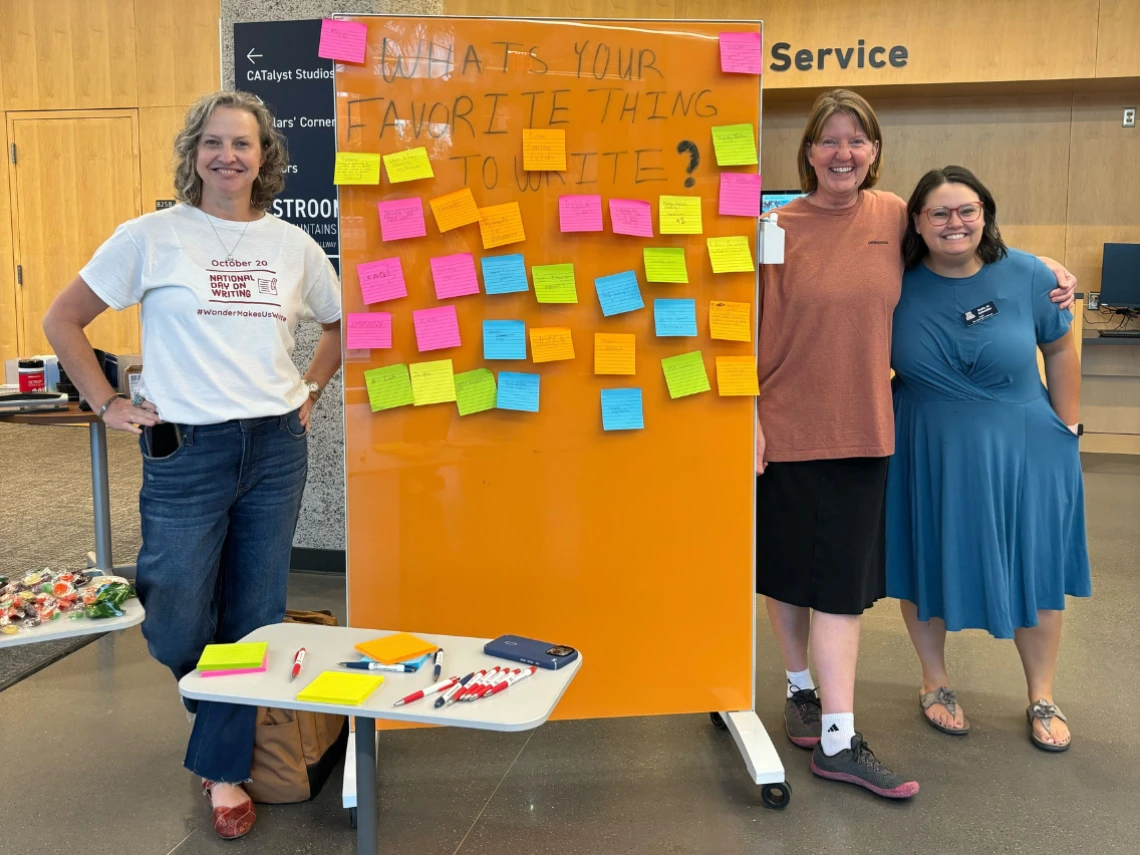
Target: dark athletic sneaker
802, 717
857, 765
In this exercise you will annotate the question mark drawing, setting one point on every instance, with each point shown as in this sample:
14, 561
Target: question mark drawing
694, 159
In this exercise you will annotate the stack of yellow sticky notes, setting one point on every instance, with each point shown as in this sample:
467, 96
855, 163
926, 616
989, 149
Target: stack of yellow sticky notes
334, 687
396, 648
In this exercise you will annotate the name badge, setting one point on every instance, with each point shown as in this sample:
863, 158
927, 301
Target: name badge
986, 310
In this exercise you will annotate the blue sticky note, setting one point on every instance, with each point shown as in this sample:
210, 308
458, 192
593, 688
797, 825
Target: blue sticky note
504, 274
518, 392
619, 293
505, 340
621, 409
675, 317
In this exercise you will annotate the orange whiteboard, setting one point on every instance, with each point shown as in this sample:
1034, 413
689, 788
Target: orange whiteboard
634, 546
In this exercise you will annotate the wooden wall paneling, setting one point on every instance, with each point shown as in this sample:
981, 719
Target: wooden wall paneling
68, 54
1117, 51
176, 50
8, 325
157, 129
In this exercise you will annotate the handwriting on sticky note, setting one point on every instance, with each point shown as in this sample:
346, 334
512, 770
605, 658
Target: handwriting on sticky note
356, 168
544, 150
454, 275
433, 382
615, 353
730, 255
381, 280
554, 283
735, 145
730, 321
680, 215
436, 328
739, 195
501, 224
665, 264
736, 375
504, 340
580, 213
619, 293
454, 210
742, 53
685, 374
365, 330
410, 165
550, 344
388, 387
342, 40
631, 217
504, 274
475, 391
675, 317
400, 219
517, 391
621, 409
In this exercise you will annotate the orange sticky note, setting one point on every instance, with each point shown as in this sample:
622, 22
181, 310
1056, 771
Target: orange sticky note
455, 210
395, 648
615, 353
544, 150
549, 344
730, 321
501, 224
736, 375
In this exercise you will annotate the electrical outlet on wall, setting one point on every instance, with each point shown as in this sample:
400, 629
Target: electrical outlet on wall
1129, 117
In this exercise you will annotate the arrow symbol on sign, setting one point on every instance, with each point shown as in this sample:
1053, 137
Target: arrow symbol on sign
251, 55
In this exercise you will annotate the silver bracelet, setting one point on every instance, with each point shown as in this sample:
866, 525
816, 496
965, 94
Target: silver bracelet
108, 403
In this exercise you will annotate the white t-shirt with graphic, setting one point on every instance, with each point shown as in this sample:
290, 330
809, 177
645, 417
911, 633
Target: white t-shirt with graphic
217, 334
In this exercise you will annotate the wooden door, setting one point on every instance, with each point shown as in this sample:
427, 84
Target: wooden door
76, 177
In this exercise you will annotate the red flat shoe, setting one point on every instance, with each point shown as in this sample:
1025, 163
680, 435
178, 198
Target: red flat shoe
232, 823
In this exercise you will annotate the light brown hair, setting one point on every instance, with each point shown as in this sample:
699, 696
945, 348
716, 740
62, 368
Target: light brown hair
826, 106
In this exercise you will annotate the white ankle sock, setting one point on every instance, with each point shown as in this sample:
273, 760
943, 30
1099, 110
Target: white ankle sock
799, 680
838, 728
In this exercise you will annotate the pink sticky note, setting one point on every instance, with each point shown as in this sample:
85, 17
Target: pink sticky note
367, 330
381, 280
402, 219
631, 217
343, 40
739, 194
436, 328
742, 53
582, 213
454, 275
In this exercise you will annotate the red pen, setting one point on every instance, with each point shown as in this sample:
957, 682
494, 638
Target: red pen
297, 661
441, 686
476, 676
514, 678
476, 686
503, 676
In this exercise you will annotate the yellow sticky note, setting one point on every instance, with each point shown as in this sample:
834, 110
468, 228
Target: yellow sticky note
549, 344
433, 382
554, 283
736, 375
685, 374
544, 150
336, 687
410, 165
730, 255
356, 168
730, 321
679, 215
665, 264
455, 210
501, 224
615, 353
735, 145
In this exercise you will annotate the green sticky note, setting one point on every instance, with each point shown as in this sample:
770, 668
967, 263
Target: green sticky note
665, 264
388, 387
243, 656
433, 382
554, 283
685, 374
475, 391
735, 145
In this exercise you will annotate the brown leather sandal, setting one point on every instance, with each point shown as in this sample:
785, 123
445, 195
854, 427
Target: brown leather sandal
948, 698
232, 822
1045, 711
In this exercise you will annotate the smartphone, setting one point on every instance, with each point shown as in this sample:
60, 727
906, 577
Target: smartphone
530, 651
162, 439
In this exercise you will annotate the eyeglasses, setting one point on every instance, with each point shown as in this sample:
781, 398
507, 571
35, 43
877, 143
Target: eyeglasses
966, 213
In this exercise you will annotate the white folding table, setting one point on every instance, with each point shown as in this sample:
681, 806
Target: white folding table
64, 627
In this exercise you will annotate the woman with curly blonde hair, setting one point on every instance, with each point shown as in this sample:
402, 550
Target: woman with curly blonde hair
222, 413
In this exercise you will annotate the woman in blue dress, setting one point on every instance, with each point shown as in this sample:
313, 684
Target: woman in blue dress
985, 502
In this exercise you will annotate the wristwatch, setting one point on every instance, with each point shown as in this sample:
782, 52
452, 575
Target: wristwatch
314, 389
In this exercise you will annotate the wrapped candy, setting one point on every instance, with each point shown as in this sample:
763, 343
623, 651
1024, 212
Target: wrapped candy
45, 595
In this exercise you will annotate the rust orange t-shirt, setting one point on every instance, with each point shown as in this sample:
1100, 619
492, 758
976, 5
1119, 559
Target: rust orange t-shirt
825, 330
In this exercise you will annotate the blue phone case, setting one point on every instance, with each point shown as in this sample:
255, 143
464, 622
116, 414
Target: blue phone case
529, 651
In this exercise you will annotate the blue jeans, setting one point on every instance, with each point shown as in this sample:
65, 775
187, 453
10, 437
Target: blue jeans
218, 516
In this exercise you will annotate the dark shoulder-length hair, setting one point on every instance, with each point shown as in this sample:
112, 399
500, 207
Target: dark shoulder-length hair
914, 248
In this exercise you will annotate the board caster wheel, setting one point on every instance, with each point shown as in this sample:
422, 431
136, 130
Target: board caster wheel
352, 817
717, 721
776, 796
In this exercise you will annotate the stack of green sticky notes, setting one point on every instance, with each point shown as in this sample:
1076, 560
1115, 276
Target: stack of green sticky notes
335, 687
241, 658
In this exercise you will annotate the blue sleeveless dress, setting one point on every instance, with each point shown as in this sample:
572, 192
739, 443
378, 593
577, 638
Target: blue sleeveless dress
985, 500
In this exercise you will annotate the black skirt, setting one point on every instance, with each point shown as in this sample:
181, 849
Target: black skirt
820, 533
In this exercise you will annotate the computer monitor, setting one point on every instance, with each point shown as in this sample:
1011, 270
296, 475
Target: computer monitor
1120, 276
770, 199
